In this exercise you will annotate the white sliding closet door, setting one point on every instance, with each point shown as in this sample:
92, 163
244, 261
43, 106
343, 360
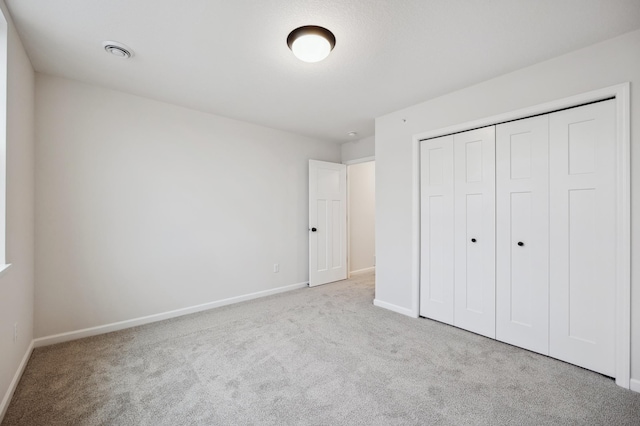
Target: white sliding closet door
522, 226
474, 189
583, 232
436, 210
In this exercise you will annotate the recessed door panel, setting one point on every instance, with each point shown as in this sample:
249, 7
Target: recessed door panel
520, 158
322, 223
582, 146
521, 283
583, 265
436, 223
473, 161
474, 279
435, 166
583, 229
436, 218
328, 181
522, 245
474, 166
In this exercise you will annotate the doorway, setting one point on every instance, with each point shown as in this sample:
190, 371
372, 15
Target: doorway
361, 217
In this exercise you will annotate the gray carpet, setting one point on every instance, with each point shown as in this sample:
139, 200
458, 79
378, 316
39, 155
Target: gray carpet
320, 356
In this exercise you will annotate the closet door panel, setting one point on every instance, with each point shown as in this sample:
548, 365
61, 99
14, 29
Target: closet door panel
583, 245
436, 224
522, 232
474, 187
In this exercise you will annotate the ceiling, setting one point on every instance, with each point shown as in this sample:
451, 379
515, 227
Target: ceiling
230, 57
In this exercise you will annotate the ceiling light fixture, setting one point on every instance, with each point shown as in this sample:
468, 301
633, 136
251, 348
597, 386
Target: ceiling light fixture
352, 134
311, 43
117, 49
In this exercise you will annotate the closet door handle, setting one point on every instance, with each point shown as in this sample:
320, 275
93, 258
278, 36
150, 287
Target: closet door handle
520, 243
473, 240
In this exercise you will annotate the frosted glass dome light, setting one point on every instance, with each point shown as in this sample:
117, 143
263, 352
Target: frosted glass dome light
311, 43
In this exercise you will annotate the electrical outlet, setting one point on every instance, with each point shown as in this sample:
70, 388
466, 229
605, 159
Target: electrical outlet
15, 332
276, 267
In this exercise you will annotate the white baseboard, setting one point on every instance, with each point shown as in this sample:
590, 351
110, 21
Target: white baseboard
395, 308
121, 325
14, 383
362, 271
634, 385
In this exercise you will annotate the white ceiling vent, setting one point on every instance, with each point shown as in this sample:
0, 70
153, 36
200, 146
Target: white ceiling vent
118, 49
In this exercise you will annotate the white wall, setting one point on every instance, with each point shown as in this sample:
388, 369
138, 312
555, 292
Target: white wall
16, 284
604, 64
355, 150
145, 207
362, 199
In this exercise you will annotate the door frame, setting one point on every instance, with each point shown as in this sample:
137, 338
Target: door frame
621, 94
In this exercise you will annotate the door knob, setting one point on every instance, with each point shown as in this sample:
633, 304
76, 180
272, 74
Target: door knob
473, 240
313, 229
520, 243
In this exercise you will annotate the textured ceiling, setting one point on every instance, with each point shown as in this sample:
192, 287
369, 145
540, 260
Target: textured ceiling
229, 57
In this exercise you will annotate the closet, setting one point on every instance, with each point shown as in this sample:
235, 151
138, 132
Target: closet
518, 233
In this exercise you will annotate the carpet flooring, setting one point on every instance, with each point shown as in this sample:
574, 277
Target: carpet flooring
316, 356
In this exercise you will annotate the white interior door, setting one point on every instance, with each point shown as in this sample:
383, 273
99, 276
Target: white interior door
474, 187
522, 233
436, 240
327, 222
583, 236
